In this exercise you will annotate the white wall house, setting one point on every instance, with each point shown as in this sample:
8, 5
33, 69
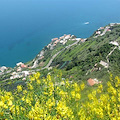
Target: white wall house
114, 43
104, 64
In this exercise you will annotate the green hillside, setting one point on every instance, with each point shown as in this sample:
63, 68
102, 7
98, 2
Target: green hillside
77, 79
81, 58
77, 59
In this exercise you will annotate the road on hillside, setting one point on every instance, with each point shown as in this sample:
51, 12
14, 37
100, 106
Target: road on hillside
110, 54
53, 57
106, 29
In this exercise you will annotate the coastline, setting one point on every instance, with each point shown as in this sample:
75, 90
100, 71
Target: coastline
31, 54
45, 56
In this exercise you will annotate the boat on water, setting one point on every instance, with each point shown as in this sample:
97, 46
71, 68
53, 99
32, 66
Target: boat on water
86, 23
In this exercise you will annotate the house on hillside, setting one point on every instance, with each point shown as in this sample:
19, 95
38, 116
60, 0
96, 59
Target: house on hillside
41, 57
19, 69
15, 77
42, 52
63, 41
19, 64
25, 73
55, 43
61, 38
23, 66
78, 39
114, 43
83, 40
51, 47
101, 28
13, 73
54, 39
104, 64
3, 68
67, 37
50, 68
109, 30
98, 32
92, 82
48, 46
112, 24
73, 36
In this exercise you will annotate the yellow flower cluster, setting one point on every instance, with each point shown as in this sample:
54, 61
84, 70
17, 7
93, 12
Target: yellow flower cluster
44, 99
19, 88
102, 104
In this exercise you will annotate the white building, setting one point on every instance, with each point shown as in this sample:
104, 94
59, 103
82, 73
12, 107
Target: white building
19, 69
112, 24
41, 53
63, 41
26, 73
98, 32
67, 37
104, 64
19, 64
73, 36
3, 68
15, 77
14, 73
78, 39
114, 43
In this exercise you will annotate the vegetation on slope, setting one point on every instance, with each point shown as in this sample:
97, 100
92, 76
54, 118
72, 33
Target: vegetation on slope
65, 95
85, 55
54, 98
79, 60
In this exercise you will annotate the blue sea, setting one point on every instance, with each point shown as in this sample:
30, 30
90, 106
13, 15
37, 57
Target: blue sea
26, 26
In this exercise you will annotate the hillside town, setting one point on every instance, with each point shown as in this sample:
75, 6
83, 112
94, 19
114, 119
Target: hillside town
63, 40
102, 30
22, 71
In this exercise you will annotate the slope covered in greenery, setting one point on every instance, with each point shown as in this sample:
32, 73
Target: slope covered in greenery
79, 60
62, 92
53, 98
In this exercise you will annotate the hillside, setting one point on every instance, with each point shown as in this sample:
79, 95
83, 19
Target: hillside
70, 79
78, 58
84, 59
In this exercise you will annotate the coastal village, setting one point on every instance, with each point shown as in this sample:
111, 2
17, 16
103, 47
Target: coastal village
63, 39
22, 71
102, 30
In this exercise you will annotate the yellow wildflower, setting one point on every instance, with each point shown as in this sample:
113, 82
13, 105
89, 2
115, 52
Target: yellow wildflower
19, 88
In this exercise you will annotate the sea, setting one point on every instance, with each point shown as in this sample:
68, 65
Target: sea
26, 26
